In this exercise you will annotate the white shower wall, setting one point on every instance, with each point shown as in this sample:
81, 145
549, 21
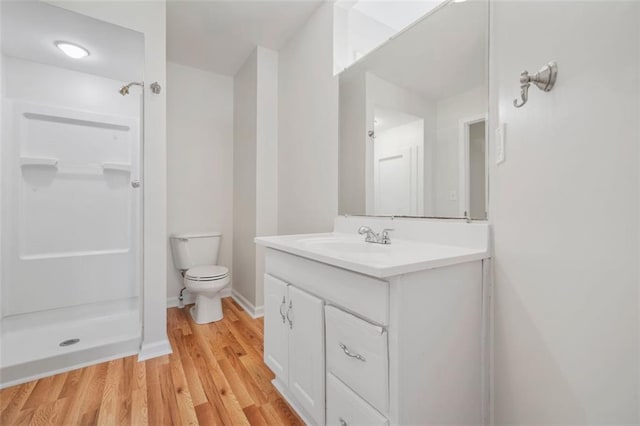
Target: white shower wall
88, 253
34, 82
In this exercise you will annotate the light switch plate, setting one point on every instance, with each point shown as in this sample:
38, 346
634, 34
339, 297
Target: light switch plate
500, 155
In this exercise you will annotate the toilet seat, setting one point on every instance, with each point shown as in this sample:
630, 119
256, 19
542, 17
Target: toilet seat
207, 273
206, 287
206, 283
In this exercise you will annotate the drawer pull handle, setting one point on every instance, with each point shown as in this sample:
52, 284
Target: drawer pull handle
282, 305
345, 349
342, 422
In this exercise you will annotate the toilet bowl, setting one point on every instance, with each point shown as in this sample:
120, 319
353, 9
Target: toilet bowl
195, 255
206, 282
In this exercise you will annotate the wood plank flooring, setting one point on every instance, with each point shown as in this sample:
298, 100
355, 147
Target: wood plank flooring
215, 376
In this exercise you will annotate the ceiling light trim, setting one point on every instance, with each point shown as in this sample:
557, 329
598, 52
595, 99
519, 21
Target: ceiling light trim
72, 50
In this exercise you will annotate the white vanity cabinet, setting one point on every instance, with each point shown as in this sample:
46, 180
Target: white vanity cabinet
359, 334
294, 344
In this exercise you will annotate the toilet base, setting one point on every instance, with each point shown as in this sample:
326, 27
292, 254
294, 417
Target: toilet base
207, 309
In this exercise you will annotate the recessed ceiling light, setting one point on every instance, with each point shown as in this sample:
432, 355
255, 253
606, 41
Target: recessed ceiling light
459, 1
72, 50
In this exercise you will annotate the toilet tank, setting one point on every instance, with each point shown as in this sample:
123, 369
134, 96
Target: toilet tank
192, 249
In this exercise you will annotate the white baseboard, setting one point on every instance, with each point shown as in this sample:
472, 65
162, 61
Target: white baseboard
155, 349
189, 298
253, 311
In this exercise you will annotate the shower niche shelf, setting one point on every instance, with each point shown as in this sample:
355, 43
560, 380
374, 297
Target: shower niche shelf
38, 162
52, 163
116, 167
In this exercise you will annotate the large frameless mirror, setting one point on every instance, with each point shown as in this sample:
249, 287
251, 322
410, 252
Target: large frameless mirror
413, 120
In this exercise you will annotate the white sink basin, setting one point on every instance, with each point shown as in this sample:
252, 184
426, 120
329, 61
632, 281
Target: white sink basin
344, 245
351, 252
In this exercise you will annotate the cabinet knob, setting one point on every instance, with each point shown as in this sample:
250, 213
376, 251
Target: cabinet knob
342, 422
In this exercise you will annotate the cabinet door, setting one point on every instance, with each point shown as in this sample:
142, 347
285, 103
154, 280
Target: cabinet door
306, 352
276, 327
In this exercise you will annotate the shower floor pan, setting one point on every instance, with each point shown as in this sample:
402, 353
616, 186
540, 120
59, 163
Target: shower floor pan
29, 353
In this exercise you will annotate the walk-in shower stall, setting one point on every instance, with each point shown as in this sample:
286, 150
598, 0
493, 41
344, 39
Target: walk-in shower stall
71, 199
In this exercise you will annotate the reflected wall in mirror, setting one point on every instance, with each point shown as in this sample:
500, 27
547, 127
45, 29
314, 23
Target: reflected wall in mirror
359, 26
413, 120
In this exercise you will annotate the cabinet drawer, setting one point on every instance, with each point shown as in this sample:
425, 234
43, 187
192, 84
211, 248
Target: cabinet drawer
367, 296
345, 408
357, 354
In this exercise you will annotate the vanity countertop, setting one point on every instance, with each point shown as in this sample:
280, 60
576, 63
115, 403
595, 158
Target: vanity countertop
351, 252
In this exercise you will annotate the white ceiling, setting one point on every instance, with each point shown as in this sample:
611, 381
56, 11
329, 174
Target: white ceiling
29, 29
219, 35
443, 55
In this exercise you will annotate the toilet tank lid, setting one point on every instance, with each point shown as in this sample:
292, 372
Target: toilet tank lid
197, 234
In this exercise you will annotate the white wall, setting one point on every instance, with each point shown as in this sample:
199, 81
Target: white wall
565, 210
255, 172
148, 18
199, 160
245, 99
447, 158
355, 34
341, 54
2, 135
477, 171
353, 145
308, 129
266, 159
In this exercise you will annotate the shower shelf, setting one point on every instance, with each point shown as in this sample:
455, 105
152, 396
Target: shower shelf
116, 167
94, 167
38, 162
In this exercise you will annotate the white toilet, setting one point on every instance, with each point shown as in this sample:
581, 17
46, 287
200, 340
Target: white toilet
196, 255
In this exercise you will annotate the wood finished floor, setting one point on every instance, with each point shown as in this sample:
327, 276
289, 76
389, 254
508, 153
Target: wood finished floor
214, 376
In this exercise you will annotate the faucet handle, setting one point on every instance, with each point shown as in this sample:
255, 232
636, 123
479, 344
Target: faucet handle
363, 230
384, 236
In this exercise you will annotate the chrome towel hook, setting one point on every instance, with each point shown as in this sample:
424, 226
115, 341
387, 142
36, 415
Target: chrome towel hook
544, 79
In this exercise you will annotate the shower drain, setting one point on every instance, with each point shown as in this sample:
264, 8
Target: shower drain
69, 342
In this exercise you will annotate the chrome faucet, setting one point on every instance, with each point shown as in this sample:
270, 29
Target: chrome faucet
372, 237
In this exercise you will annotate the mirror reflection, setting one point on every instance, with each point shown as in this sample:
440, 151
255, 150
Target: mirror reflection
413, 120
